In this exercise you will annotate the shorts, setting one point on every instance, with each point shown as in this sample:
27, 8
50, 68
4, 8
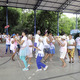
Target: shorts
52, 51
47, 50
62, 55
78, 52
18, 46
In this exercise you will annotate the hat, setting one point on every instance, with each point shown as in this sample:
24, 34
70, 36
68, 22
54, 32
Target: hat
63, 37
13, 35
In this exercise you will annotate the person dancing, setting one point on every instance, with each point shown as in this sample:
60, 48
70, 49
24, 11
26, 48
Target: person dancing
40, 55
24, 50
13, 46
63, 49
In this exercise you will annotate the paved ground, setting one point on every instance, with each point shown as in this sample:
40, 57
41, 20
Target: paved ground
13, 70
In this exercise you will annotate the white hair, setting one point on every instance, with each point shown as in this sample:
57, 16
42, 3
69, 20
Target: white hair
38, 31
29, 36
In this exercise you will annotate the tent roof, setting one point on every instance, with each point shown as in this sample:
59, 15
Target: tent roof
67, 6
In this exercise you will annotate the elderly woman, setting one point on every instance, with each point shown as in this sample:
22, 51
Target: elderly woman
24, 50
40, 55
63, 49
30, 48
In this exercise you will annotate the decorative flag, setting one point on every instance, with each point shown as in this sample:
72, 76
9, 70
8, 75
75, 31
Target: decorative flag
7, 26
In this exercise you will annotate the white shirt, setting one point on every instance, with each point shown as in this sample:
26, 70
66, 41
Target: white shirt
63, 48
25, 43
78, 42
46, 45
30, 43
37, 39
8, 40
41, 52
71, 42
12, 46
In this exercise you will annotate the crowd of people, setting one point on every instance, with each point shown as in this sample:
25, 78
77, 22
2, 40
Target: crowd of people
42, 46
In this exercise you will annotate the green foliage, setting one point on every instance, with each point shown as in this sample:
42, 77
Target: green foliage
47, 20
20, 20
66, 24
79, 23
13, 18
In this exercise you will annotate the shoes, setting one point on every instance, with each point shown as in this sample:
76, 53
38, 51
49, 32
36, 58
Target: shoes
25, 69
28, 65
45, 61
38, 70
45, 68
72, 61
69, 61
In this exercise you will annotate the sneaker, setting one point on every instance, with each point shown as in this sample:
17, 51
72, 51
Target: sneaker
28, 65
44, 61
69, 61
25, 69
38, 70
45, 68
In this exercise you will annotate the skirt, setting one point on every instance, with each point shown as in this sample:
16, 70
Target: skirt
24, 51
71, 52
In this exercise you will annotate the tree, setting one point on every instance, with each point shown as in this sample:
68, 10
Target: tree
66, 24
13, 18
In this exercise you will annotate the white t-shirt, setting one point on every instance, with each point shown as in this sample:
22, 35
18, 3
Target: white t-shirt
46, 45
8, 40
71, 42
41, 47
63, 48
13, 46
30, 43
78, 42
25, 42
37, 39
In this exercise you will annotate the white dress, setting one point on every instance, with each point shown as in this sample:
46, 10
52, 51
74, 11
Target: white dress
63, 50
30, 48
24, 50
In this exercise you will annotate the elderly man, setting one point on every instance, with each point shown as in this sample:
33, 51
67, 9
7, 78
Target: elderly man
36, 42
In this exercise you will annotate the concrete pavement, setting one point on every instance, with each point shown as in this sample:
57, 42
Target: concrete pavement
13, 70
